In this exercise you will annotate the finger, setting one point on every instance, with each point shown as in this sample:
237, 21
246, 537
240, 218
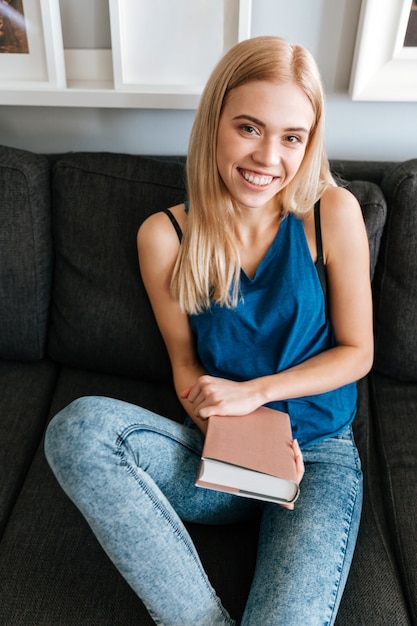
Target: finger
297, 453
186, 392
194, 393
299, 461
207, 411
296, 448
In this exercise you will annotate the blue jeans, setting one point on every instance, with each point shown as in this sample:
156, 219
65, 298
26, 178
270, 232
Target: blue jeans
131, 473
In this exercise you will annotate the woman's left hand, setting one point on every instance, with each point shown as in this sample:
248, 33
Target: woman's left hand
299, 467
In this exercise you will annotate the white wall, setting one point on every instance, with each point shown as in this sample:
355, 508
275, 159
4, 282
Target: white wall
355, 130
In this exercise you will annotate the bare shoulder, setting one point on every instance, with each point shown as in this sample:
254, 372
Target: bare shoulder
341, 222
157, 236
339, 203
158, 225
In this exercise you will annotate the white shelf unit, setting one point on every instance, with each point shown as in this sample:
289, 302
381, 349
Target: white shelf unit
142, 71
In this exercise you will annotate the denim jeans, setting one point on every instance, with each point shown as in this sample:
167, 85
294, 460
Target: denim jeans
132, 472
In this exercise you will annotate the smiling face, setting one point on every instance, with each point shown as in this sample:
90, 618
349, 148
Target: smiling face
262, 137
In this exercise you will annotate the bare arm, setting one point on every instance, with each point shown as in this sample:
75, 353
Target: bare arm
158, 249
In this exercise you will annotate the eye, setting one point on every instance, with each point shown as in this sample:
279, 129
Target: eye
248, 129
293, 139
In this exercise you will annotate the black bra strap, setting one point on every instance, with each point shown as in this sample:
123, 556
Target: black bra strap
320, 266
174, 223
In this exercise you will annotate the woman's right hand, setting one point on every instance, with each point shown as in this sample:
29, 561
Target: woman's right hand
211, 395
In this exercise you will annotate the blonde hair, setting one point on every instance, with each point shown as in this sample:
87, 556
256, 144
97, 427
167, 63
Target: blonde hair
208, 265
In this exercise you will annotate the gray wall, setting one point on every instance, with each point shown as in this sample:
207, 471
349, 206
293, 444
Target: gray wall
355, 130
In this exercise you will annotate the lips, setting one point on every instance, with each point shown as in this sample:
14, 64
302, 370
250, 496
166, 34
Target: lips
260, 180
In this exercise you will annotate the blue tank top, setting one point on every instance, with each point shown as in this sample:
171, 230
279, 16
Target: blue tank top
280, 321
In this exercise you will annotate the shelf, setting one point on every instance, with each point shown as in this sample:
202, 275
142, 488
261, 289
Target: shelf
104, 96
165, 68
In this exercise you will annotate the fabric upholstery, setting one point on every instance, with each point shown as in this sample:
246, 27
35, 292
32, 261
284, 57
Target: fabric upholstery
372, 171
394, 406
25, 254
374, 567
101, 318
396, 280
374, 210
25, 394
52, 570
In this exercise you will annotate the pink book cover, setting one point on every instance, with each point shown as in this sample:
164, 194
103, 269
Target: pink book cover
261, 441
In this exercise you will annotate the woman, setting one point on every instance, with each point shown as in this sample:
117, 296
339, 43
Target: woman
252, 312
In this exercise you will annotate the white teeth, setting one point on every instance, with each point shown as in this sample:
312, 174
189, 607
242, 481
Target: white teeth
257, 180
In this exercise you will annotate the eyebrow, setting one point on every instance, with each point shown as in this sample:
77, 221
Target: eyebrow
250, 118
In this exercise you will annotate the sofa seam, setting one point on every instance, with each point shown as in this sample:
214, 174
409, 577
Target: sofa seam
143, 181
40, 348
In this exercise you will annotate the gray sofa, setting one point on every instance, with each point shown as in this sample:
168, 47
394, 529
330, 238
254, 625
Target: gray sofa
75, 320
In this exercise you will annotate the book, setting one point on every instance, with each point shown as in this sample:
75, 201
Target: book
250, 456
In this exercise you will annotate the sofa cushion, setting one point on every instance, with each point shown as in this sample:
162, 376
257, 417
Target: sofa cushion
373, 171
26, 389
394, 412
396, 277
25, 254
101, 318
374, 568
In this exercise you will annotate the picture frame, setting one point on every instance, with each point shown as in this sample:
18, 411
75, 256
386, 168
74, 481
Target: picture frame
37, 63
192, 36
383, 67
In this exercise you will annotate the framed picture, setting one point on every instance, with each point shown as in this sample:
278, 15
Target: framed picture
165, 47
410, 40
385, 59
31, 50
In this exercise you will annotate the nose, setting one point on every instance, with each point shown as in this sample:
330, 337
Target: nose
267, 152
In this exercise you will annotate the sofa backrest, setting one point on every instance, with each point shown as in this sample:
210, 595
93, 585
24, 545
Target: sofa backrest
395, 285
101, 318
26, 256
374, 211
